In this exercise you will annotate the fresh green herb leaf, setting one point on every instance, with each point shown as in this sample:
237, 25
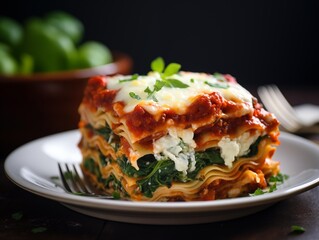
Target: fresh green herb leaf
272, 183
257, 192
153, 98
158, 85
297, 229
158, 65
171, 69
39, 229
17, 216
132, 78
280, 178
272, 188
135, 96
220, 77
217, 85
148, 91
116, 195
192, 80
68, 175
150, 94
54, 178
174, 83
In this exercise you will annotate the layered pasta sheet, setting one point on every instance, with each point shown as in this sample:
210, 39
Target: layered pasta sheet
192, 136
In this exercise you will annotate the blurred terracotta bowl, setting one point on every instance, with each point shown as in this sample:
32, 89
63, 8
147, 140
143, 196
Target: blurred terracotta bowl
42, 104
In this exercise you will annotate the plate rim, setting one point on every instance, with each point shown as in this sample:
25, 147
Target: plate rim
157, 207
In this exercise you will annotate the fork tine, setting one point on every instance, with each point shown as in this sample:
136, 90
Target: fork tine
77, 182
74, 183
283, 111
65, 183
285, 104
270, 104
73, 180
70, 180
81, 182
275, 102
281, 97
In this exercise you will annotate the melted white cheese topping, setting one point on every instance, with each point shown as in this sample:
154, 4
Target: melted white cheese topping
174, 98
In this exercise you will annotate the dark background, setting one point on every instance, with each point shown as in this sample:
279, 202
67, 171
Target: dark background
258, 42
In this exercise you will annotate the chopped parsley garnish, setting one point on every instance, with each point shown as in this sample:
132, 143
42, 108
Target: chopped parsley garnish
280, 178
273, 188
297, 229
222, 81
132, 78
158, 65
135, 96
219, 77
257, 192
157, 87
217, 85
174, 83
17, 216
166, 80
272, 182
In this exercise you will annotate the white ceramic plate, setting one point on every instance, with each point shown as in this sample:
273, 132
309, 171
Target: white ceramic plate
33, 165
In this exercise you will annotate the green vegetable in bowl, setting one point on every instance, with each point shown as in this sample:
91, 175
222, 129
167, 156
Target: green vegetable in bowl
8, 64
49, 48
4, 48
26, 64
91, 54
67, 24
48, 44
10, 31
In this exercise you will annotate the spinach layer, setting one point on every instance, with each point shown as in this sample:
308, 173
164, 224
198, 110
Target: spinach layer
153, 173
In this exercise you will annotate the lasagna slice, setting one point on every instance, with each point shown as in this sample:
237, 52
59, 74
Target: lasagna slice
180, 136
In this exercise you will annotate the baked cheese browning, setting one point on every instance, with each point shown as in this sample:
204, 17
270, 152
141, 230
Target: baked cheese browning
188, 137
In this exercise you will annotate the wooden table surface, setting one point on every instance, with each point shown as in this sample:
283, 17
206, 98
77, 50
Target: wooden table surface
24, 215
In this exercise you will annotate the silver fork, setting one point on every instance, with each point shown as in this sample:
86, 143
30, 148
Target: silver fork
76, 184
275, 102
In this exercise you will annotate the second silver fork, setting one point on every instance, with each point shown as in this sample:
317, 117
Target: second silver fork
275, 102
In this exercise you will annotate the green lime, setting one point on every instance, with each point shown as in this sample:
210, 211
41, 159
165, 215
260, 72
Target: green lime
8, 65
92, 54
49, 48
10, 31
67, 24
